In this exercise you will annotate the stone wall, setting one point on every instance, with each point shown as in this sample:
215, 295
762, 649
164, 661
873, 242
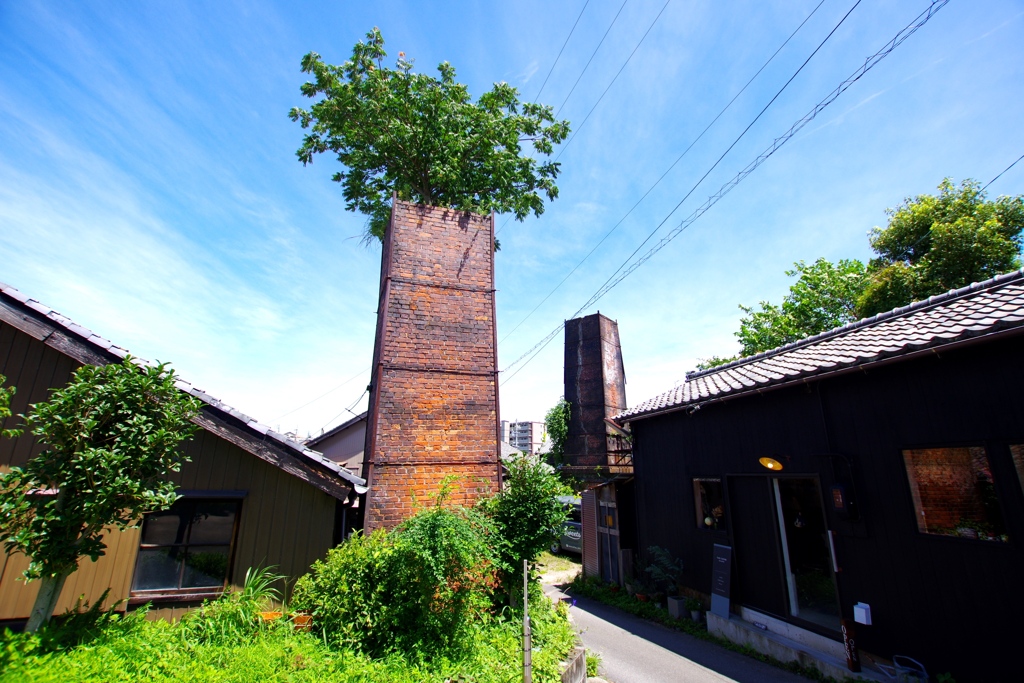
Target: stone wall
434, 400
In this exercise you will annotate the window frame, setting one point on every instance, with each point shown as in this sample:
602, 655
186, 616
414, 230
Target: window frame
191, 594
698, 498
990, 452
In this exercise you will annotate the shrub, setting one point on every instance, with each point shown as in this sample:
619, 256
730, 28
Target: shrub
235, 615
665, 570
527, 516
415, 589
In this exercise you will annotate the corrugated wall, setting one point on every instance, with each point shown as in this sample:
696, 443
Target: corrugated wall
284, 521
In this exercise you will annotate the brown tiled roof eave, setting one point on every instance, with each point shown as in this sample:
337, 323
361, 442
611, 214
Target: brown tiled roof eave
64, 335
979, 311
808, 378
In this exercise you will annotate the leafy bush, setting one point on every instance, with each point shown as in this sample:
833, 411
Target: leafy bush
527, 515
666, 571
417, 588
235, 615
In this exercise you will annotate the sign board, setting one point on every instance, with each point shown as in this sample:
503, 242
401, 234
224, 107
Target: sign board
721, 575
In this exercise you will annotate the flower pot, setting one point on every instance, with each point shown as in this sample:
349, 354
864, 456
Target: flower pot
614, 588
695, 615
303, 622
642, 597
270, 616
676, 606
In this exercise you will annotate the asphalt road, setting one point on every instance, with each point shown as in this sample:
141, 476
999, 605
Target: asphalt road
633, 650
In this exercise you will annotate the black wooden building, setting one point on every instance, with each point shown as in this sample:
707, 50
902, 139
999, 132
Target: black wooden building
879, 464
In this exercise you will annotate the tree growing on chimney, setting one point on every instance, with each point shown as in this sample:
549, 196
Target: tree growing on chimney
423, 138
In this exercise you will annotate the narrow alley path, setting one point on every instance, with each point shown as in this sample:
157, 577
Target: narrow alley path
634, 650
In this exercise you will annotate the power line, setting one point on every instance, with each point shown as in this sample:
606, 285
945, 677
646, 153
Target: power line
612, 82
613, 281
329, 391
669, 169
1001, 173
736, 141
592, 55
559, 56
346, 410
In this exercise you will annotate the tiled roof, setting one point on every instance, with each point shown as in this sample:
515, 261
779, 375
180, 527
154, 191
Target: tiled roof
313, 441
105, 348
976, 311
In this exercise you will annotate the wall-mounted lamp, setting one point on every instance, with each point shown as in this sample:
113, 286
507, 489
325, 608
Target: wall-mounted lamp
771, 463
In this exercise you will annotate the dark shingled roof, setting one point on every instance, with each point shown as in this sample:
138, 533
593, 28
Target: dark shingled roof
85, 346
961, 315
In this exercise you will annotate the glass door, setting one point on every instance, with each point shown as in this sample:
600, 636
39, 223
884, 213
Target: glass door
807, 552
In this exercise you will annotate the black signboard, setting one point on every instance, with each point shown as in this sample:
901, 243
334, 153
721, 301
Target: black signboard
721, 573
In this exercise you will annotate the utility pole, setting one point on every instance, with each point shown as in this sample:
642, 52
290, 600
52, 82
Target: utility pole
527, 635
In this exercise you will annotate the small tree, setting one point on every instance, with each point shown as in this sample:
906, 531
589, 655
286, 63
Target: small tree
422, 137
936, 243
111, 437
823, 297
527, 515
556, 423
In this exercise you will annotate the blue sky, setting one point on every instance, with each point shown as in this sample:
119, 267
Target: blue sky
149, 188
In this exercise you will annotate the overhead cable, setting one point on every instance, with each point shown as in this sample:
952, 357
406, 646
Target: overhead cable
605, 92
559, 55
667, 171
621, 274
346, 410
329, 391
1001, 173
592, 55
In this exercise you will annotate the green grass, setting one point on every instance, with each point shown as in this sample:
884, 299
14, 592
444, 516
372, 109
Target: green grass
132, 649
547, 562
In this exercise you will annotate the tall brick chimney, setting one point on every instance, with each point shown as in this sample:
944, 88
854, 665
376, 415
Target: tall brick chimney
595, 386
433, 396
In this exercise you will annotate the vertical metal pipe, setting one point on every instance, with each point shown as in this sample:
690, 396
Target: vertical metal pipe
527, 639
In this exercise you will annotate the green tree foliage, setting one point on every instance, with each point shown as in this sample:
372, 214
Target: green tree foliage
714, 362
823, 297
936, 243
527, 516
556, 424
933, 243
422, 137
5, 409
420, 587
110, 439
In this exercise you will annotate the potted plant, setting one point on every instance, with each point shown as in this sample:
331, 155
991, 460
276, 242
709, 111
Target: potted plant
667, 573
693, 605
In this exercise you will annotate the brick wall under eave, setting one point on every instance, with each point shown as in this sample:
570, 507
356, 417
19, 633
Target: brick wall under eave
434, 399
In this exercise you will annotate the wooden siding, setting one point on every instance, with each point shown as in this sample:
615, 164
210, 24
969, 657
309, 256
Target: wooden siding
922, 588
284, 521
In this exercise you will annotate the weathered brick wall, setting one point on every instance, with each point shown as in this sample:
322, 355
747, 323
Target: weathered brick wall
595, 385
434, 400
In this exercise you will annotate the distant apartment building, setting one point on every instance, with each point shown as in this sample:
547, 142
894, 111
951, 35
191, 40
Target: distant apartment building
524, 436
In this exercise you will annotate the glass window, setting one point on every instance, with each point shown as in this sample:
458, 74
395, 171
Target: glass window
954, 493
186, 548
707, 493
